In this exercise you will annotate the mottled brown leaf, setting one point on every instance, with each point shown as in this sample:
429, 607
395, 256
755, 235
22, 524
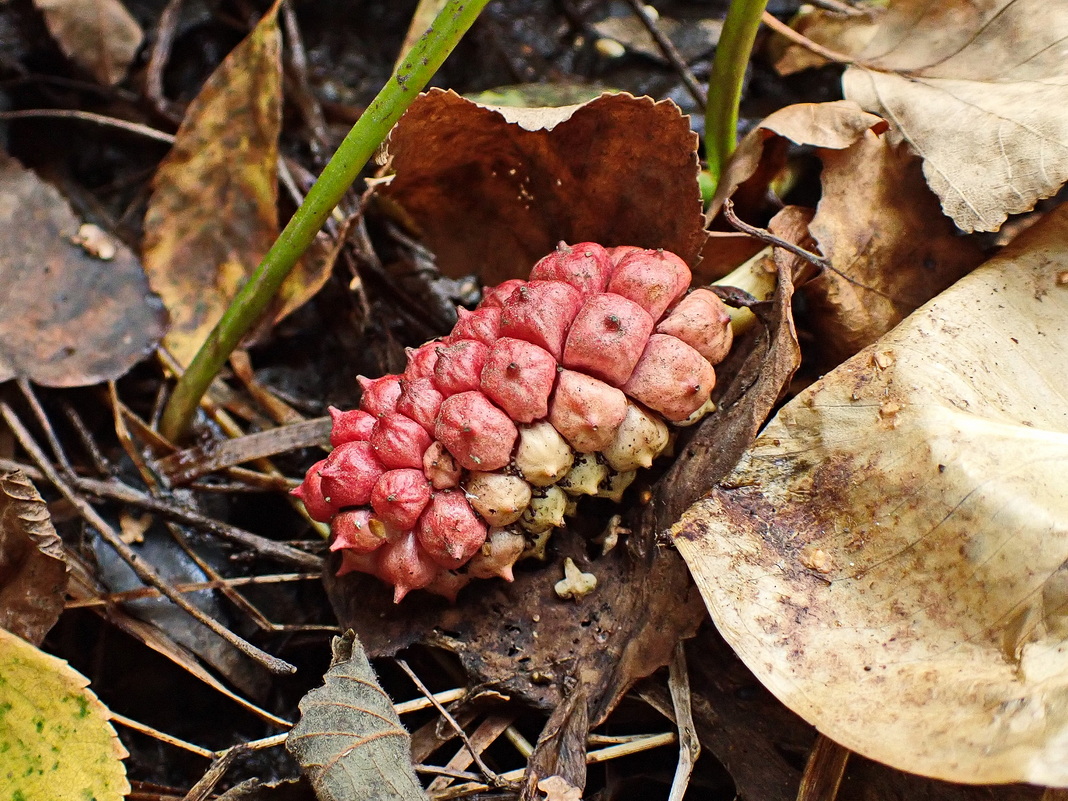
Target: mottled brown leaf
33, 574
213, 212
492, 189
349, 741
67, 318
889, 557
883, 231
976, 88
99, 36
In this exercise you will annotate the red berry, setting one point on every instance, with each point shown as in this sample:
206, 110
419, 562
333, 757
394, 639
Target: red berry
310, 493
421, 361
379, 394
587, 412
440, 467
476, 432
406, 566
359, 531
497, 295
586, 266
671, 378
541, 312
421, 401
481, 325
459, 366
654, 279
449, 531
519, 377
607, 338
353, 425
702, 321
349, 474
400, 496
399, 441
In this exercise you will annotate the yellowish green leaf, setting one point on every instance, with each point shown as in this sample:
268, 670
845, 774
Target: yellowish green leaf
55, 737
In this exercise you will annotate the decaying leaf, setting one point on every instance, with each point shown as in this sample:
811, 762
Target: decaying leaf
884, 234
349, 741
492, 189
55, 736
889, 556
99, 36
976, 88
213, 212
33, 573
66, 317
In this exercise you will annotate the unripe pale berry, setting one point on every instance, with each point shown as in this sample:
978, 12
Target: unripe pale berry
586, 476
541, 312
616, 485
459, 367
586, 266
440, 467
310, 493
701, 321
546, 510
449, 531
640, 439
607, 338
497, 497
587, 412
349, 474
671, 378
654, 279
399, 441
400, 496
502, 549
379, 394
543, 456
353, 425
475, 431
518, 376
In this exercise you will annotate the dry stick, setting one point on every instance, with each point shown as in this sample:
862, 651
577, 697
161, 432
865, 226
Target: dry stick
689, 745
190, 586
823, 771
494, 779
444, 697
161, 51
43, 421
115, 491
671, 53
142, 570
163, 737
786, 31
88, 116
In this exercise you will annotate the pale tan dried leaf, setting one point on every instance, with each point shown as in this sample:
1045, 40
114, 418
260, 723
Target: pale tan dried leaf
889, 558
99, 36
33, 573
492, 189
978, 90
893, 250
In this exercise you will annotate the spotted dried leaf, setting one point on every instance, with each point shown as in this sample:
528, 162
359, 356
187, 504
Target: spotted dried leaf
349, 741
976, 89
33, 573
100, 36
509, 183
889, 556
66, 317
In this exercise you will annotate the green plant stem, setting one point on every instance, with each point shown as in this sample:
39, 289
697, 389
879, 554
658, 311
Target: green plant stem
410, 77
725, 85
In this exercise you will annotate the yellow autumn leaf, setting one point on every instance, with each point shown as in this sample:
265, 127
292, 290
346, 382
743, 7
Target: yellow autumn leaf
55, 736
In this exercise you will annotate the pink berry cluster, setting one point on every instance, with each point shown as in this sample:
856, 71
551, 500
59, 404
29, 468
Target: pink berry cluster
552, 388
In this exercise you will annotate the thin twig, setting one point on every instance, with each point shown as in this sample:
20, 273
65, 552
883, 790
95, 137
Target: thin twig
493, 778
145, 573
46, 426
444, 697
157, 60
786, 31
671, 53
163, 737
192, 586
689, 745
766, 236
88, 116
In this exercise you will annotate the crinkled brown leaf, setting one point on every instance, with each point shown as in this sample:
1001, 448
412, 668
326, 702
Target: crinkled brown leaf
67, 318
213, 212
492, 189
977, 89
99, 36
349, 741
889, 557
33, 573
884, 234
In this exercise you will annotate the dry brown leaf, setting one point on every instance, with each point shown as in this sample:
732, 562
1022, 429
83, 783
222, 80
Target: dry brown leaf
66, 318
213, 212
762, 153
33, 573
492, 189
99, 36
977, 89
889, 556
880, 225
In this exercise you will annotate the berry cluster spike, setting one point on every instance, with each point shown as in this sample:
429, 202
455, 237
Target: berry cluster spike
553, 388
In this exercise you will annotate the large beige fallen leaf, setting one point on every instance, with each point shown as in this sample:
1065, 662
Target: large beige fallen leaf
67, 317
213, 212
33, 573
491, 189
55, 737
100, 36
891, 248
976, 88
891, 556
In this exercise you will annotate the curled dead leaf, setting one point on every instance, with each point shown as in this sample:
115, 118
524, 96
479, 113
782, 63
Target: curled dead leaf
100, 36
930, 634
